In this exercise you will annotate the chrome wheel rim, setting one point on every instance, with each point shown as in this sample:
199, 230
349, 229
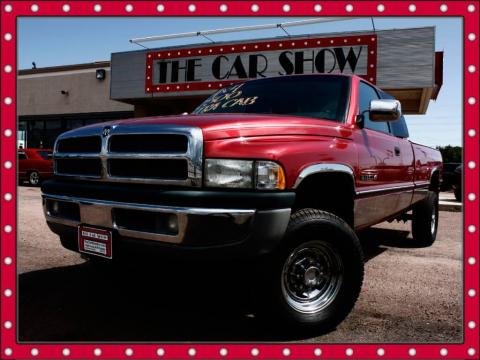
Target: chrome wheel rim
312, 276
34, 178
434, 220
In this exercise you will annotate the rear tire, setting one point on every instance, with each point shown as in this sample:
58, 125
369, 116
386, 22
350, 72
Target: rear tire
315, 278
425, 220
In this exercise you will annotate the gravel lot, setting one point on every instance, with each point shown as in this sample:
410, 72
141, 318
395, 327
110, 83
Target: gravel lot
409, 294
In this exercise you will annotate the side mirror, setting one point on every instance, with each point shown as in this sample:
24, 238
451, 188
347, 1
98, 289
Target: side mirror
385, 110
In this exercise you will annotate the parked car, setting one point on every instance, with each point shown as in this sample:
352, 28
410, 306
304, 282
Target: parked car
448, 176
281, 171
457, 183
34, 165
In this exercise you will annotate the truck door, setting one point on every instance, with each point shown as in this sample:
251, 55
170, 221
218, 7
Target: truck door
382, 186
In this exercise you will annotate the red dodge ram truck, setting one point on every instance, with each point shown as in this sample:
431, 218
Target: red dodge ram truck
281, 171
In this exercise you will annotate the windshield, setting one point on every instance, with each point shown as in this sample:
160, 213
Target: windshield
46, 155
322, 97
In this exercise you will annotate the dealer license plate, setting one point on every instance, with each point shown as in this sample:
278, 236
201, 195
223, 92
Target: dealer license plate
95, 241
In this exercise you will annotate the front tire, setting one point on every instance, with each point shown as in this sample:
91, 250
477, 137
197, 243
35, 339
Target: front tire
315, 279
425, 220
34, 178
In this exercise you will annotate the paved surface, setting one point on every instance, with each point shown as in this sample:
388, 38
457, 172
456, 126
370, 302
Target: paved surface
409, 295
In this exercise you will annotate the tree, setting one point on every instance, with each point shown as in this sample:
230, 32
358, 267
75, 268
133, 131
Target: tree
451, 153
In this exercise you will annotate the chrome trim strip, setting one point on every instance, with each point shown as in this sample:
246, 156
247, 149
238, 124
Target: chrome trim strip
323, 168
101, 213
193, 155
399, 188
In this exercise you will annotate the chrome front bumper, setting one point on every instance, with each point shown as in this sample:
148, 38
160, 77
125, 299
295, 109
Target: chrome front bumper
236, 223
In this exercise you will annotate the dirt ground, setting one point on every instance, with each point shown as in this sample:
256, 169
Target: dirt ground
409, 294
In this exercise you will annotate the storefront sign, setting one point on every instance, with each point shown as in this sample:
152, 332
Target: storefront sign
214, 67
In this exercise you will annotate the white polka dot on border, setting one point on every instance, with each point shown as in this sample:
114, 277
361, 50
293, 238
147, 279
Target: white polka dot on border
317, 352
66, 8
317, 8
349, 352
129, 8
192, 352
472, 36
471, 197
8, 132
7, 69
7, 36
192, 8
471, 228
8, 8
128, 352
471, 325
8, 260
472, 100
380, 352
471, 351
7, 197
255, 8
255, 352
97, 8
8, 100
286, 8
160, 352
443, 352
7, 164
160, 8
471, 8
471, 68
443, 8
412, 8
34, 8
8, 352
97, 352
412, 352
472, 132
34, 352
471, 292
8, 228
7, 324
223, 8
7, 292
471, 164
471, 260
223, 352
349, 7
286, 352
66, 352
380, 8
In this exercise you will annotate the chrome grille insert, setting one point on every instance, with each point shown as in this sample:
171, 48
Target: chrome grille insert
154, 154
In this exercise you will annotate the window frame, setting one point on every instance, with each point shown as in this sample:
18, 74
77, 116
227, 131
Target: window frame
361, 112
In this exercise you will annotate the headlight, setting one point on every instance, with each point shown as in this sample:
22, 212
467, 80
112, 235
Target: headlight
244, 174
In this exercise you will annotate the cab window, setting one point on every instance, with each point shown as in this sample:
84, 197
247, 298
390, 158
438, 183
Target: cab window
368, 93
22, 156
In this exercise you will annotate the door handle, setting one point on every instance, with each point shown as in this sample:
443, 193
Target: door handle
397, 151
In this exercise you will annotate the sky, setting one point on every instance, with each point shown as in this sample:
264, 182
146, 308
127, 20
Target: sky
64, 41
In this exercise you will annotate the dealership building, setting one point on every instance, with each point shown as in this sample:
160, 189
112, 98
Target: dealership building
174, 80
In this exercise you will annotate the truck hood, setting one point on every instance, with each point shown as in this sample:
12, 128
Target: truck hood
224, 126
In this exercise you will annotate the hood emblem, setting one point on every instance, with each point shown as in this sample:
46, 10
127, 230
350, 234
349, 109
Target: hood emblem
106, 131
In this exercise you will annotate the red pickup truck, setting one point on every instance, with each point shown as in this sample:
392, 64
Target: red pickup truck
280, 170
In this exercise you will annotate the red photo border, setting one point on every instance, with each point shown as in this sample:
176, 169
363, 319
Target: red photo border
10, 10
369, 40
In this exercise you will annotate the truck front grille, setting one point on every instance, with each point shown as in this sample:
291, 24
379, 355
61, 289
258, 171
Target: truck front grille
83, 144
149, 143
149, 168
157, 154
